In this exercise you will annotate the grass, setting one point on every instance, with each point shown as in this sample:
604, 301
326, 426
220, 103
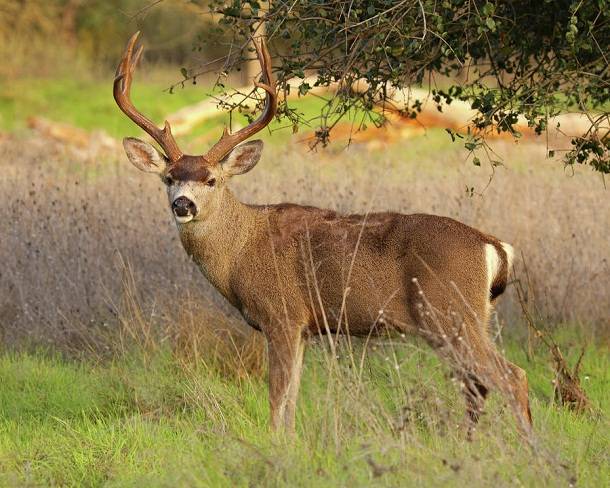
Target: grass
148, 419
88, 103
84, 103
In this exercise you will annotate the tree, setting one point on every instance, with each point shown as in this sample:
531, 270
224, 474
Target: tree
507, 58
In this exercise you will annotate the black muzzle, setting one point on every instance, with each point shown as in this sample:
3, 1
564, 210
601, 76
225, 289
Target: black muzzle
183, 207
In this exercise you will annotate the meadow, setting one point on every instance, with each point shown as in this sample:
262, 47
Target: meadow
121, 366
150, 419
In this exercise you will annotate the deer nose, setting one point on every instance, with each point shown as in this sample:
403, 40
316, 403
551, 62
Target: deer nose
183, 207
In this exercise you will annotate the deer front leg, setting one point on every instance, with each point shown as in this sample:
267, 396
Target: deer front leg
285, 349
293, 388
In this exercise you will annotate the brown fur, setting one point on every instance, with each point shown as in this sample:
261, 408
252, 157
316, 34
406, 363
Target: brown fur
189, 168
294, 271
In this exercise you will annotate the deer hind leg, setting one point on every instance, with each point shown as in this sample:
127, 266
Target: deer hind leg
462, 340
285, 349
487, 369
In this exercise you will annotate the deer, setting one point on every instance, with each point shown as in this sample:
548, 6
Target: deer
290, 269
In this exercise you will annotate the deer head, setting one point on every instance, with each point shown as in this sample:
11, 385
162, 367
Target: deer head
194, 183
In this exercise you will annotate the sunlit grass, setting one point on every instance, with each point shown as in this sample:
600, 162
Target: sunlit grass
147, 419
88, 104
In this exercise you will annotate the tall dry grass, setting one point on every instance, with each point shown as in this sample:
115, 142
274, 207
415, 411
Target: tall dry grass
91, 260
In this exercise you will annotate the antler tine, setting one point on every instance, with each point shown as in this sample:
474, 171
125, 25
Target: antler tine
121, 91
228, 141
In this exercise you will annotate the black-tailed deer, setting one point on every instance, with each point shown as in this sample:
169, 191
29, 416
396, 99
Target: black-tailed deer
294, 271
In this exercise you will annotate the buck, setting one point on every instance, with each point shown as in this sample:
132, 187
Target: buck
295, 271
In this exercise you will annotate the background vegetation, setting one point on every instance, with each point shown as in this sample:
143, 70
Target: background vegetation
507, 59
514, 63
49, 37
121, 366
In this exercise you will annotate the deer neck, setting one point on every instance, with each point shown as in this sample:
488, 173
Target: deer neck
216, 241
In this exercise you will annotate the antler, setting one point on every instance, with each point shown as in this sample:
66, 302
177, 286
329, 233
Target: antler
122, 87
228, 141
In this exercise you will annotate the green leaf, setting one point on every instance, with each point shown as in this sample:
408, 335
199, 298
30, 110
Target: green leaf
488, 8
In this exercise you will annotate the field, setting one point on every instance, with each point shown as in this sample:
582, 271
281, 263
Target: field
120, 366
150, 420
86, 102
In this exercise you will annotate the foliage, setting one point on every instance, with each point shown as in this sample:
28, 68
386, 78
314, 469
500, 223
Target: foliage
509, 59
40, 37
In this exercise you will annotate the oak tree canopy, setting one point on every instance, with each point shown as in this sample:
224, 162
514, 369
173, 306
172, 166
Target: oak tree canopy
507, 59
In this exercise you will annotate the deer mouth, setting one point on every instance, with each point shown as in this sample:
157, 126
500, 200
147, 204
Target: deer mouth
183, 220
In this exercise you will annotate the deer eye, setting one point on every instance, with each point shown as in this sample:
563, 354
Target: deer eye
211, 182
168, 180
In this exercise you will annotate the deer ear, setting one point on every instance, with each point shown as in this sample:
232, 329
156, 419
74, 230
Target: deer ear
144, 156
243, 158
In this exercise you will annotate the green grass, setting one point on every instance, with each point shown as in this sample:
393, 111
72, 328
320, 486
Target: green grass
89, 104
142, 420
84, 103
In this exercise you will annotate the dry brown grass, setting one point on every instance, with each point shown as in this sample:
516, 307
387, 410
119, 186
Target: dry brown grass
91, 260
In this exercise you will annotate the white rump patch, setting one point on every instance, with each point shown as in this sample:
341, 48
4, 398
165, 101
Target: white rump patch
510, 253
492, 261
